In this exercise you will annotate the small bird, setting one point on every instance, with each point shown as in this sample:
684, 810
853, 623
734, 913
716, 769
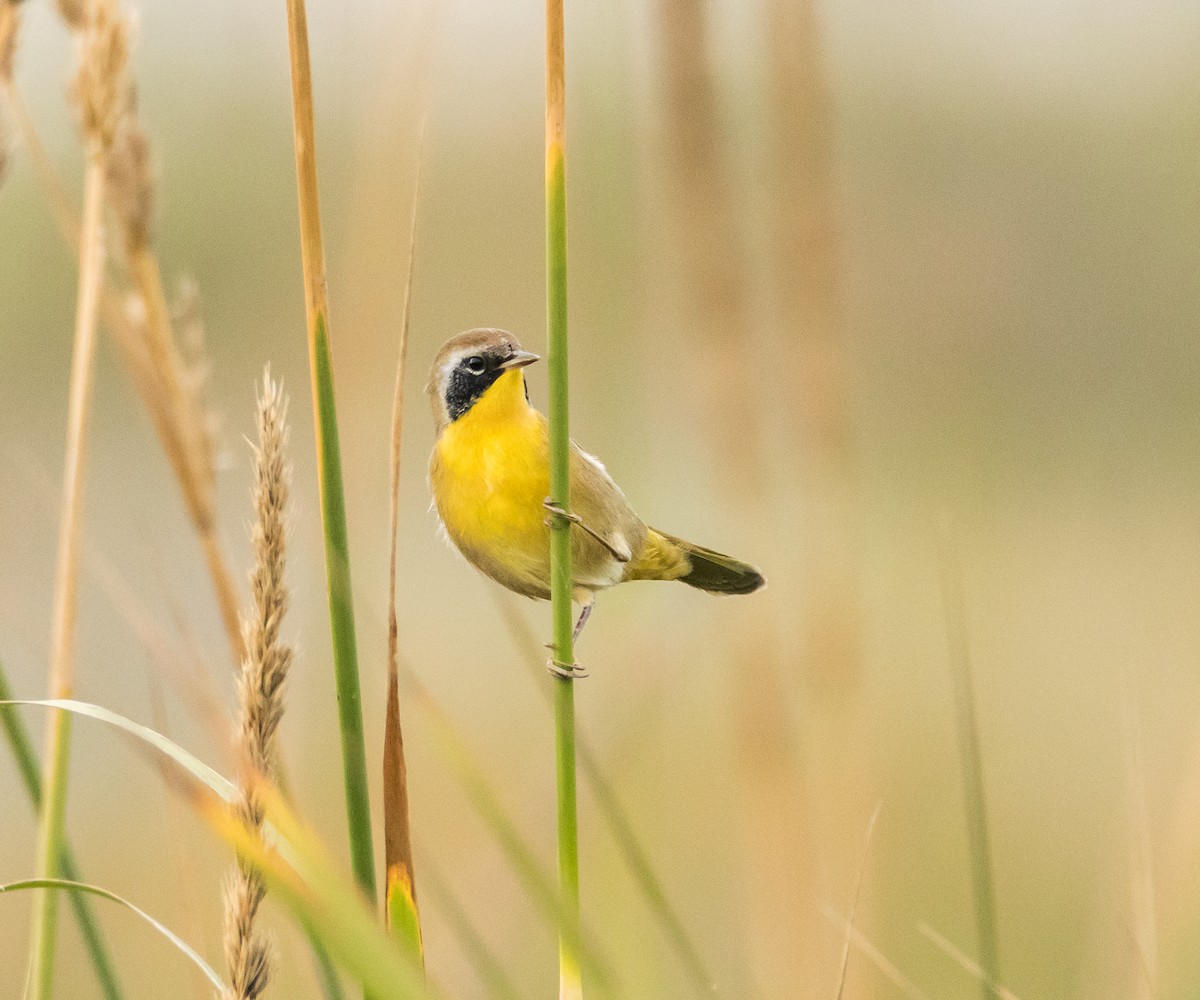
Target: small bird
490, 478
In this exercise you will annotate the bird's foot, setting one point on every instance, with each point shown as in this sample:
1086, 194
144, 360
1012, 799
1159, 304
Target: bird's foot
567, 671
557, 514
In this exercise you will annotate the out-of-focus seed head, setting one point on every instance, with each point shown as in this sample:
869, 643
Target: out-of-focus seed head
103, 90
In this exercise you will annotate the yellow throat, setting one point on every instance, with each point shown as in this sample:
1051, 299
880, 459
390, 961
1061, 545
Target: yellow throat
490, 473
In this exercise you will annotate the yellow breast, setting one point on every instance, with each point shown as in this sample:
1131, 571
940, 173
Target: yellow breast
489, 474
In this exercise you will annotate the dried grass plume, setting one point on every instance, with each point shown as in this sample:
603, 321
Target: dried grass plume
260, 687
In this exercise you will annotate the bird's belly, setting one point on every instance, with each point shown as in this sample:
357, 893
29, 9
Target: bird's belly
489, 495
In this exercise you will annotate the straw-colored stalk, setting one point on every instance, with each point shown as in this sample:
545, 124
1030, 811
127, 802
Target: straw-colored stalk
10, 21
101, 94
570, 978
170, 381
260, 688
329, 459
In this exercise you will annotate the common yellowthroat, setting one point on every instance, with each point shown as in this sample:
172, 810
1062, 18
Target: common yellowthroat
490, 477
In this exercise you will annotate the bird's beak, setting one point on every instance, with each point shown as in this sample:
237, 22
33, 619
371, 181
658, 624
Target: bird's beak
519, 359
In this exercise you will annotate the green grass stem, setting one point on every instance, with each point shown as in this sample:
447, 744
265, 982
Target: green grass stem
27, 766
329, 462
570, 978
636, 856
482, 795
341, 616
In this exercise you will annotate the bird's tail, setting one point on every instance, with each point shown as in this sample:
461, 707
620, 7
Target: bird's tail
714, 572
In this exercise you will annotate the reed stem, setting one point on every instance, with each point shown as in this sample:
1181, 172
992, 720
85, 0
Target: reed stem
570, 978
329, 460
27, 765
51, 834
400, 886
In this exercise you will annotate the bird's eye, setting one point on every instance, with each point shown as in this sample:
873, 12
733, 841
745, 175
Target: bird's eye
475, 365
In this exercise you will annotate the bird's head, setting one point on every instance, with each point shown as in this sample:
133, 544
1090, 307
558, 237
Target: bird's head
467, 366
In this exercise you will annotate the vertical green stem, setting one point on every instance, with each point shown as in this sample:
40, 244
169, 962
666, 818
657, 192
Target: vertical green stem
329, 461
27, 765
570, 979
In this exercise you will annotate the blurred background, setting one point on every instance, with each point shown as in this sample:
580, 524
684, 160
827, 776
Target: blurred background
897, 301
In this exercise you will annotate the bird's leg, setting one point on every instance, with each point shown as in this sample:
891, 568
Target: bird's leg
584, 614
571, 671
556, 512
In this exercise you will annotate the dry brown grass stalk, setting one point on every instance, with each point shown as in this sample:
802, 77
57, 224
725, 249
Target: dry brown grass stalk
397, 826
169, 382
101, 93
260, 688
10, 21
55, 193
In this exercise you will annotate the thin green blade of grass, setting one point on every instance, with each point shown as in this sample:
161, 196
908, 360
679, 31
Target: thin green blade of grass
329, 461
27, 766
76, 887
637, 858
404, 920
862, 868
486, 965
989, 982
166, 748
540, 886
301, 874
327, 975
876, 957
570, 975
297, 869
983, 885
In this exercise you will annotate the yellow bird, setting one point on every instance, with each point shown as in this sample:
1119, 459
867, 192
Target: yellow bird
490, 477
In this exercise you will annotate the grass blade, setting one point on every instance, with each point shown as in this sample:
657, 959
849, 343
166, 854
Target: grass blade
301, 874
329, 460
400, 890
173, 752
491, 973
297, 870
27, 765
537, 882
972, 769
845, 963
876, 957
82, 887
62, 643
645, 877
403, 918
570, 977
989, 982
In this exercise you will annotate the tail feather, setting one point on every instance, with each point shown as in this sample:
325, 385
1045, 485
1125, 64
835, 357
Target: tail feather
717, 573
